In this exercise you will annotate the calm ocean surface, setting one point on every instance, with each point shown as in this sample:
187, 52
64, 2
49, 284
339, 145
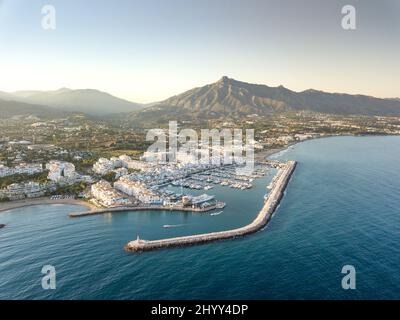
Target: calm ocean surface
341, 207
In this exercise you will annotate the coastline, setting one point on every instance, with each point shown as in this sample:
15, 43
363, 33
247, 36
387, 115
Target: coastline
6, 206
92, 209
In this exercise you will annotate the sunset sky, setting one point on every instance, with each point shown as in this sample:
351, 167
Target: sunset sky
149, 50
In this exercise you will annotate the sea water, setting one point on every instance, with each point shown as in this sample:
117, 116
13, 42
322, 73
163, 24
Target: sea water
341, 207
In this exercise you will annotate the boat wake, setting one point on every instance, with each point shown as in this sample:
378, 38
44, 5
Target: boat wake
216, 213
172, 225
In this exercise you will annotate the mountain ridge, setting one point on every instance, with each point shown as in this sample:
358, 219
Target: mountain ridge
89, 101
225, 98
10, 108
236, 99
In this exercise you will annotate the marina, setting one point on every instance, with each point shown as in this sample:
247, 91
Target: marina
270, 205
163, 188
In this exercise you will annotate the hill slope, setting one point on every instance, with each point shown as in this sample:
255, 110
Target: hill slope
10, 108
89, 101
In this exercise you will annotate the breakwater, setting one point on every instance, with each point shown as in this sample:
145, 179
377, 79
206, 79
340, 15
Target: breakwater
265, 214
218, 205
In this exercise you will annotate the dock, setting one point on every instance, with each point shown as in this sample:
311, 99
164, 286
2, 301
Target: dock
264, 216
218, 205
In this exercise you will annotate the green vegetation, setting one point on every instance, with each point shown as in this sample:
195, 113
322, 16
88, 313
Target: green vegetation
67, 190
110, 177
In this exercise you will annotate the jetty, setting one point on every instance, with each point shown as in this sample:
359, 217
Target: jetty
218, 205
271, 203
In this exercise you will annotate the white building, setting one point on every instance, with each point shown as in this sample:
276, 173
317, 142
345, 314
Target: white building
60, 171
107, 195
30, 189
138, 190
150, 197
103, 166
23, 168
131, 188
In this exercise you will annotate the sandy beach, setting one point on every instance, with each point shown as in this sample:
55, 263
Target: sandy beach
5, 206
264, 154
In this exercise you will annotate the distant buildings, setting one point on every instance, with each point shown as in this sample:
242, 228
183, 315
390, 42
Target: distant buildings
64, 173
23, 168
104, 166
42, 147
17, 191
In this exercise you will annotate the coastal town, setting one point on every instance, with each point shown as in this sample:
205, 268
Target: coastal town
107, 165
125, 182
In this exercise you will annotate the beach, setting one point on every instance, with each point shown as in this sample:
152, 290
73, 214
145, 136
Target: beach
265, 153
5, 206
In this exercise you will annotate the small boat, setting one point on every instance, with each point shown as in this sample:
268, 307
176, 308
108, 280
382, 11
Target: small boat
216, 213
172, 225
2, 225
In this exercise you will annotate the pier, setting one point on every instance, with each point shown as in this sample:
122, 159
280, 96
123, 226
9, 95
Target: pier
271, 203
218, 205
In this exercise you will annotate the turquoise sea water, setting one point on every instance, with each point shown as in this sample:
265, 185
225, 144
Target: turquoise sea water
342, 207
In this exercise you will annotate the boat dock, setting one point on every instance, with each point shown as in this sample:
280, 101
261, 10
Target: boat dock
218, 205
270, 205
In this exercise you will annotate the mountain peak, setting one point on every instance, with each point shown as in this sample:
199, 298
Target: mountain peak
224, 80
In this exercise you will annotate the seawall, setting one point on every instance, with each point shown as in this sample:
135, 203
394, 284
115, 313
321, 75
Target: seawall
258, 223
219, 205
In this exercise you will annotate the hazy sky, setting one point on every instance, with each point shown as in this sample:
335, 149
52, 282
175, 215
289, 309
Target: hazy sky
148, 50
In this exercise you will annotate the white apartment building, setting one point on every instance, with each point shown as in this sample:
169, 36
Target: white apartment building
60, 171
139, 165
103, 166
149, 197
138, 190
131, 188
17, 191
107, 195
23, 168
